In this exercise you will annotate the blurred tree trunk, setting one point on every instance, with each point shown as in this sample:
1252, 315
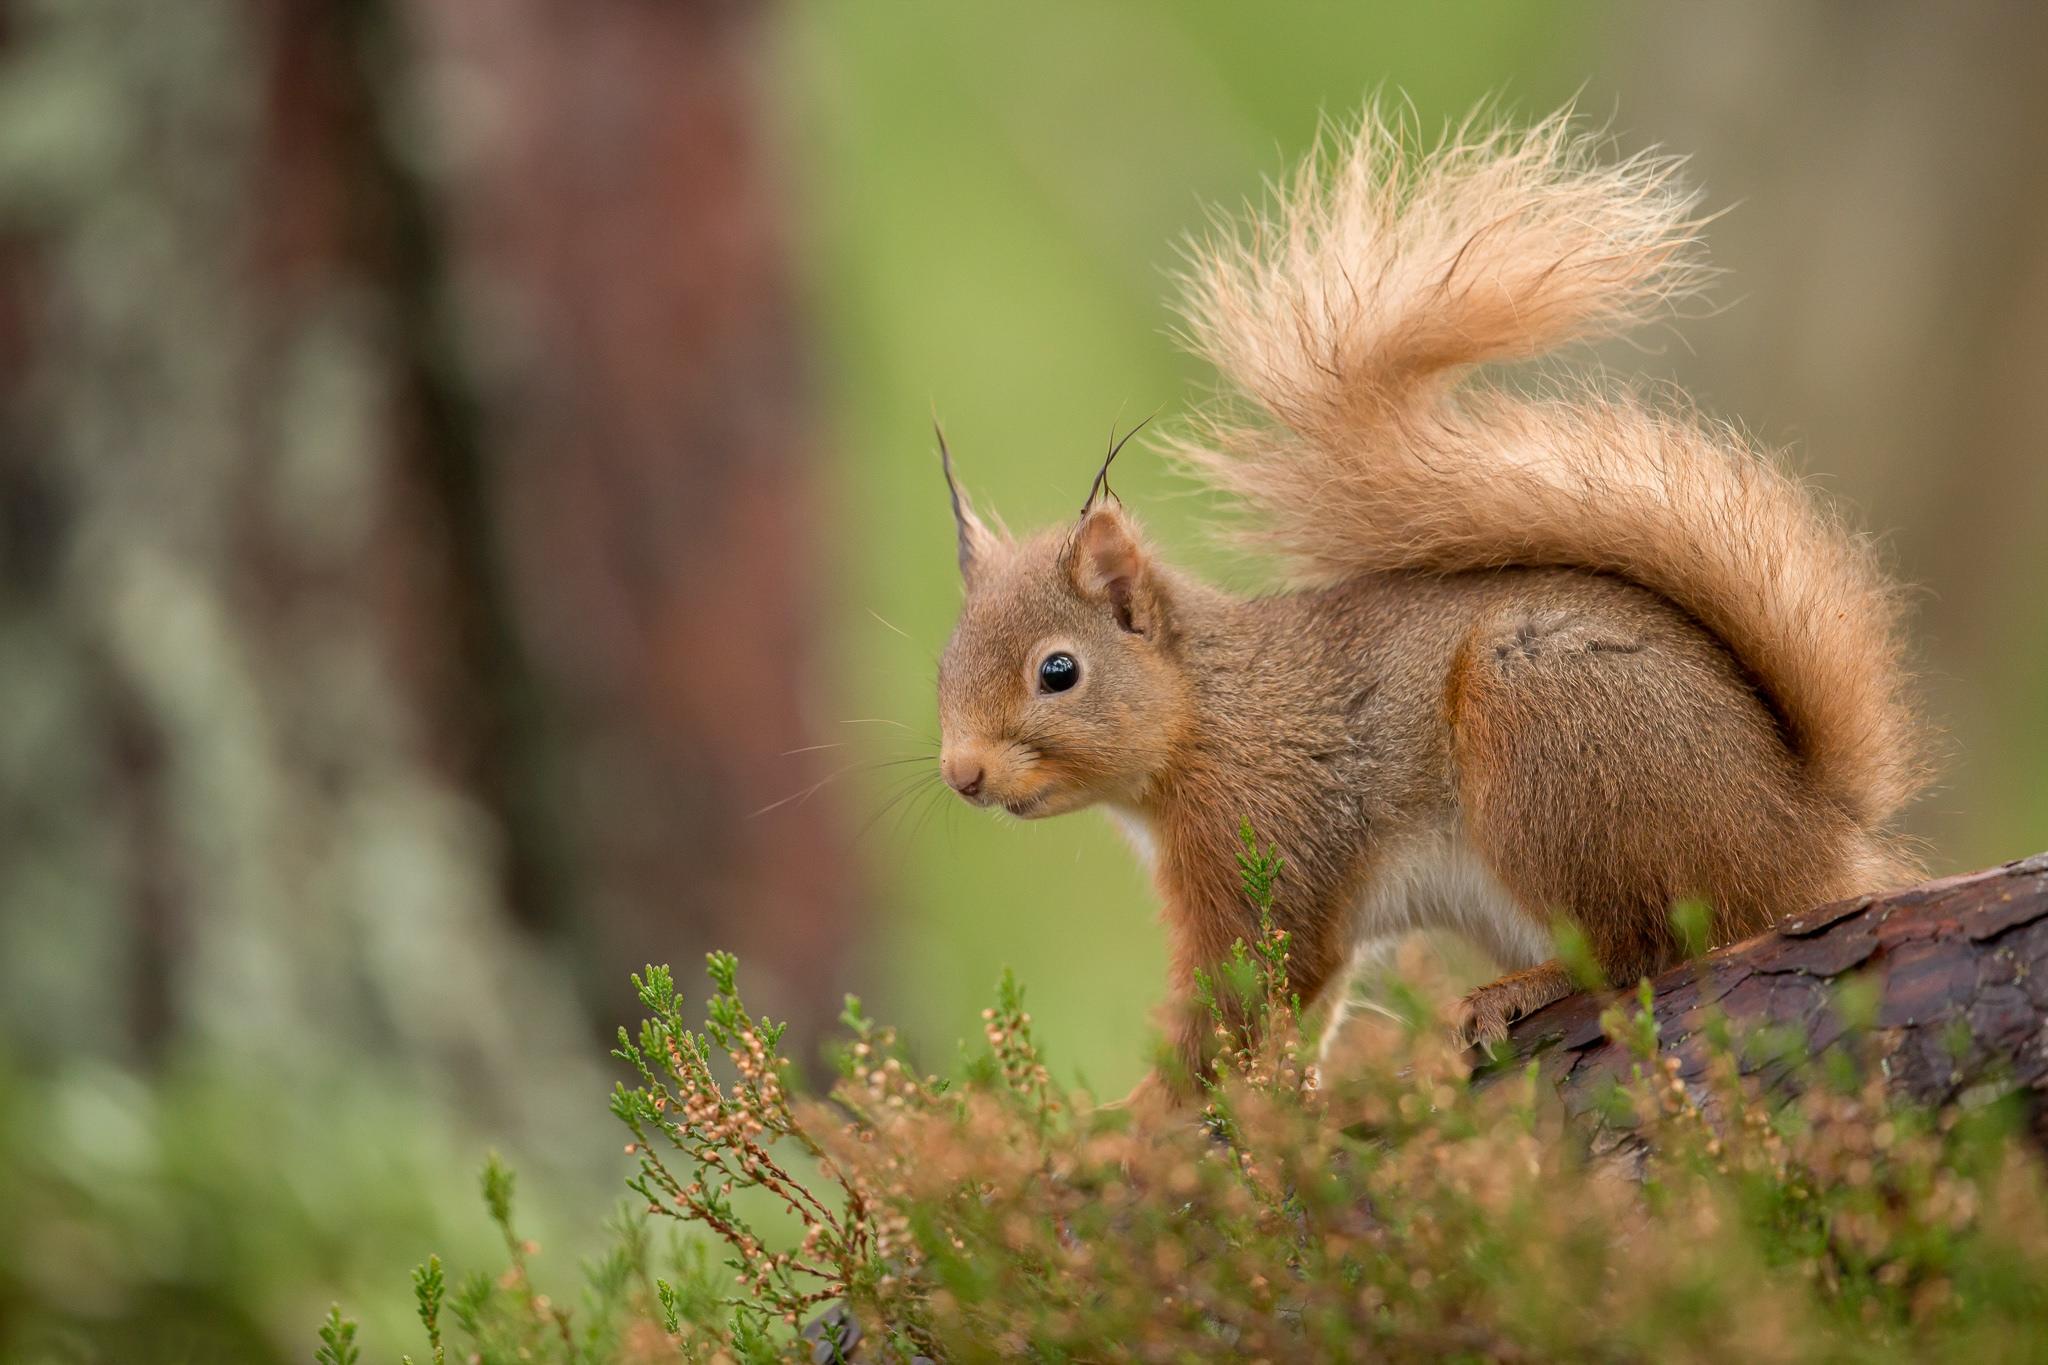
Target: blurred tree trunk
615, 208
1885, 168
402, 469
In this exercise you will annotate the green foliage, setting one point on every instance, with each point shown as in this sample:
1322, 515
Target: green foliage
1257, 869
1635, 1029
429, 1288
1576, 953
497, 1187
1008, 1215
703, 1140
337, 1340
1692, 921
204, 1213
1247, 995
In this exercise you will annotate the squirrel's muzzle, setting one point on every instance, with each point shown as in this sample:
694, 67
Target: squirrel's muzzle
965, 774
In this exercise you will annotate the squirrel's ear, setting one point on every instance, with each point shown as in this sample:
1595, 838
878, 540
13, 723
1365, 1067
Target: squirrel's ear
1107, 564
977, 543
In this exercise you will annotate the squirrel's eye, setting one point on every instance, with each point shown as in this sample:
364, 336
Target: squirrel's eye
1058, 673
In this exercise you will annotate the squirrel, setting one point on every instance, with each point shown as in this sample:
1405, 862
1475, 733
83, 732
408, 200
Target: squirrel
1542, 652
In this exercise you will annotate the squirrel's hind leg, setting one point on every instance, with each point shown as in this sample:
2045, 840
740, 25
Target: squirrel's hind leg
1610, 760
1484, 1015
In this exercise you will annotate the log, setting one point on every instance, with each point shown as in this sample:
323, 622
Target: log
1959, 968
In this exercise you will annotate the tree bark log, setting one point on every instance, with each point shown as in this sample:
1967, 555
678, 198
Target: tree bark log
1959, 967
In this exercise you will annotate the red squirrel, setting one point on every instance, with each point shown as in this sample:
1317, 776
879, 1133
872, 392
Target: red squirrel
1543, 651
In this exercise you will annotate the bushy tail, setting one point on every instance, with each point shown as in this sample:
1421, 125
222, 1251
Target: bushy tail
1347, 317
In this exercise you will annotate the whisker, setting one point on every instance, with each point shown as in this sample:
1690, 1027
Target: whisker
866, 765
912, 817
806, 793
903, 788
908, 788
890, 624
945, 802
926, 736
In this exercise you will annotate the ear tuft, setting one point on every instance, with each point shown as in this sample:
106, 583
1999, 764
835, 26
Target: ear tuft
976, 543
1108, 564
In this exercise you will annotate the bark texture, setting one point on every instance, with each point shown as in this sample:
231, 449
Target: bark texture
1959, 967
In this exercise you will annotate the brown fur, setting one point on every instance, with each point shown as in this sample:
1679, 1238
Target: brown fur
1539, 657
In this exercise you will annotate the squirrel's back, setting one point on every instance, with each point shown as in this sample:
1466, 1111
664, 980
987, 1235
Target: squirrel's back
1347, 319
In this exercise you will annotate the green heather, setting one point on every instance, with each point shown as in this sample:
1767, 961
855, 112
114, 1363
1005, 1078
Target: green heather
1390, 1210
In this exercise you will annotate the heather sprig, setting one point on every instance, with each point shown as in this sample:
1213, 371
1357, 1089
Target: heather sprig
700, 1139
429, 1288
337, 1340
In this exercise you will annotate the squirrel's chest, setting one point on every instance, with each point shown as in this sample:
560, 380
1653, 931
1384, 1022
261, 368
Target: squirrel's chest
1136, 828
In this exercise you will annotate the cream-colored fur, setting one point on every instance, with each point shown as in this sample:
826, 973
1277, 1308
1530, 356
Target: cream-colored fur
1436, 880
1433, 880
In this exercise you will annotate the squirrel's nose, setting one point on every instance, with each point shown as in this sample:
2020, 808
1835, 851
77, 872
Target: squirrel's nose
963, 775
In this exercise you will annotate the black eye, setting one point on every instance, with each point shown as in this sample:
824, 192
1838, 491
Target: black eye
1058, 673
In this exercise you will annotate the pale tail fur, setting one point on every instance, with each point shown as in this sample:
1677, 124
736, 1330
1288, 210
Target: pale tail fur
1349, 314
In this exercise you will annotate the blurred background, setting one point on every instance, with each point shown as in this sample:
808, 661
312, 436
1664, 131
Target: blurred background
469, 527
